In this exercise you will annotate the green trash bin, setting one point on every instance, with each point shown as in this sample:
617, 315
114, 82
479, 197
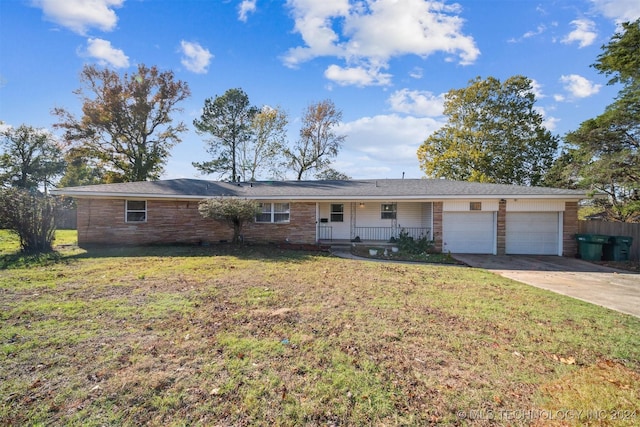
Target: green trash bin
617, 248
590, 246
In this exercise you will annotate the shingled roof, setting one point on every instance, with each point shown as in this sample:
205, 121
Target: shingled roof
368, 189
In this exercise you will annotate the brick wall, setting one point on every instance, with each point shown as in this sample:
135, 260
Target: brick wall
569, 229
102, 222
301, 227
437, 226
502, 228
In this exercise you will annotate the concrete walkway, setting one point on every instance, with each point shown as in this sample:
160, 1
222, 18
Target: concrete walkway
615, 289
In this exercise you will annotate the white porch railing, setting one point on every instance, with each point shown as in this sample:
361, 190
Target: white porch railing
386, 233
325, 232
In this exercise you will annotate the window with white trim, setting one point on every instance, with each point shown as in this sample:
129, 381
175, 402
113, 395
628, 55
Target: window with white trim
273, 212
337, 213
136, 211
388, 211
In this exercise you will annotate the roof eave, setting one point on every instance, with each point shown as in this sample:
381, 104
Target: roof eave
117, 195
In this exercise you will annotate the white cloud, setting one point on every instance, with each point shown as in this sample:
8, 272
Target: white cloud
385, 143
357, 76
246, 7
584, 33
578, 86
536, 89
548, 122
417, 103
416, 73
618, 10
196, 58
313, 22
539, 30
80, 15
106, 54
369, 33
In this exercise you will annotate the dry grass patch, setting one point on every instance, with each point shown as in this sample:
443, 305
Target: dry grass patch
607, 393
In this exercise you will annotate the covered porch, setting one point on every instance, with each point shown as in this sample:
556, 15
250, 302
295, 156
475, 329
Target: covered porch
374, 221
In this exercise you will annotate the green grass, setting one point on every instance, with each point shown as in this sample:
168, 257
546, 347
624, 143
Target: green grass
259, 336
10, 255
10, 244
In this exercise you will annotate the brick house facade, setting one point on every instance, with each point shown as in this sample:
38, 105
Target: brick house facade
452, 213
102, 222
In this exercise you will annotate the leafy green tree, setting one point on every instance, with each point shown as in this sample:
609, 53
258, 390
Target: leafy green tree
332, 175
31, 216
562, 173
319, 143
619, 59
262, 153
235, 212
30, 158
82, 169
126, 127
228, 119
606, 149
493, 134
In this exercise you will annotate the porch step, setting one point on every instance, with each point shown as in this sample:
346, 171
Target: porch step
341, 246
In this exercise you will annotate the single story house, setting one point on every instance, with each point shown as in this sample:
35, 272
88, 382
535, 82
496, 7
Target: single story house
460, 217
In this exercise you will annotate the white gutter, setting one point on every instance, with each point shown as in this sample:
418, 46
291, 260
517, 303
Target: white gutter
114, 195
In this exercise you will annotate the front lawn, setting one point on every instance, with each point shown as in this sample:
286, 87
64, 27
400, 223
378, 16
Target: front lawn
256, 335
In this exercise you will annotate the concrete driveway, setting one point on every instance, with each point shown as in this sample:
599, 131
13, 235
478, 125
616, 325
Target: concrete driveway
604, 286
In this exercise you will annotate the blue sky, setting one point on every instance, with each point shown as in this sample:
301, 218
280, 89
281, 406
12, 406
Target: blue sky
386, 64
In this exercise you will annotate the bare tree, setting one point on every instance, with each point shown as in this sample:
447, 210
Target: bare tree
318, 143
262, 153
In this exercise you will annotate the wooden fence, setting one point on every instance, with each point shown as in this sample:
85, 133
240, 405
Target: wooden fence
615, 229
66, 219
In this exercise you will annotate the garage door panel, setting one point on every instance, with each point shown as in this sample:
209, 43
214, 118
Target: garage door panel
468, 232
532, 233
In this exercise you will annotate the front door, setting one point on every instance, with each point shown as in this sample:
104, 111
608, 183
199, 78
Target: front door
334, 222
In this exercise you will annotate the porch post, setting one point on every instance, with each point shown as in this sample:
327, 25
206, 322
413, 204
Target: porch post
317, 222
352, 221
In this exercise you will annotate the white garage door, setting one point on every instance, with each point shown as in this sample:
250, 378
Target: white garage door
532, 233
468, 232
